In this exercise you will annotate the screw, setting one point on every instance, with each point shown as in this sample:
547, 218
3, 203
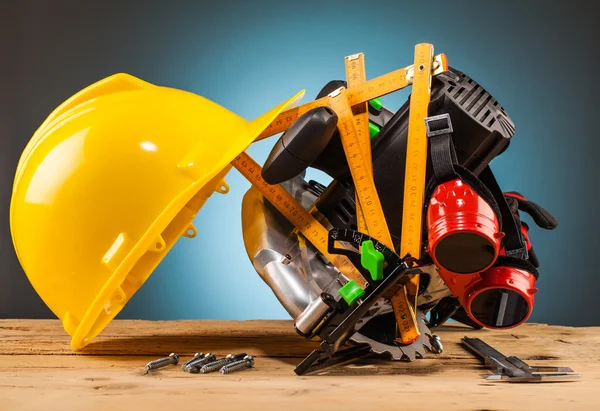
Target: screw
436, 344
195, 365
162, 362
186, 364
215, 365
247, 362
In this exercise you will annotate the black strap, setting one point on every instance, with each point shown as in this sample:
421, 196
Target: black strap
514, 245
506, 261
441, 147
445, 164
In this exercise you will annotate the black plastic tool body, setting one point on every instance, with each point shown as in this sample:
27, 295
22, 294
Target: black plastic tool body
300, 145
482, 130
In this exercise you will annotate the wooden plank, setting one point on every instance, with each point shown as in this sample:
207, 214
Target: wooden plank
273, 338
267, 338
110, 376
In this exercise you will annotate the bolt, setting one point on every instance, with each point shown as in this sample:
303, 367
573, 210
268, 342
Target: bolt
216, 365
247, 362
186, 364
162, 362
436, 344
195, 365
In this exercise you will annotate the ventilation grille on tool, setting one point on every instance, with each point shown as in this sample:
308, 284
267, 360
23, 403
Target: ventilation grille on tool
346, 212
477, 102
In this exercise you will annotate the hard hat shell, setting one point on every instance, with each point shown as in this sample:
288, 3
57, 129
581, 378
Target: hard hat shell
107, 185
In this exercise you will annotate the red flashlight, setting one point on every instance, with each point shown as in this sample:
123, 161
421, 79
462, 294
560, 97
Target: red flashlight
463, 229
501, 297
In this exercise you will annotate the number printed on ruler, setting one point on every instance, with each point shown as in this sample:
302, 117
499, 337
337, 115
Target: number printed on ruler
308, 225
287, 118
377, 87
297, 215
361, 176
416, 152
355, 77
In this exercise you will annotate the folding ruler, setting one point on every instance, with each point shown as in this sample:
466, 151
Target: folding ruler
376, 87
356, 76
305, 222
414, 182
360, 164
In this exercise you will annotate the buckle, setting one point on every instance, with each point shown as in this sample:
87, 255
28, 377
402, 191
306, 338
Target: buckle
437, 125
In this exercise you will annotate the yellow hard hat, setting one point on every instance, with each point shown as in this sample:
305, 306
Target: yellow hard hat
107, 185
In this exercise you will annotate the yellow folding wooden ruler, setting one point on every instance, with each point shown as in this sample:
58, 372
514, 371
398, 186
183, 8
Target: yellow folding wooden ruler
364, 186
377, 87
353, 131
416, 161
355, 77
287, 205
405, 316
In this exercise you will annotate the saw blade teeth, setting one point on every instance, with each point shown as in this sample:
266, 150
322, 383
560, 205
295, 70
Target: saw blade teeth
398, 353
411, 356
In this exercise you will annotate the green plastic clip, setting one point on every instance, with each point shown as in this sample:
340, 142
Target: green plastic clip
351, 292
376, 103
373, 130
372, 260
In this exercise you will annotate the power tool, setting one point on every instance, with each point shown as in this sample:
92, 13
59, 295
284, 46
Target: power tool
477, 265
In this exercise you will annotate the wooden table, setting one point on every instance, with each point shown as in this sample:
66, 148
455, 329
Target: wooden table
39, 371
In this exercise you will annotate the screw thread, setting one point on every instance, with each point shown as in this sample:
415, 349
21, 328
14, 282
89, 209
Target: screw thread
196, 365
235, 366
161, 362
190, 361
213, 366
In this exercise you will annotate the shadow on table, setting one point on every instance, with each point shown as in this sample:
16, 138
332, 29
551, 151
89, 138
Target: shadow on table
287, 349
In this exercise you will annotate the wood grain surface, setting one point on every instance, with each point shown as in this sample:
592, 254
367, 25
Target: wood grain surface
39, 371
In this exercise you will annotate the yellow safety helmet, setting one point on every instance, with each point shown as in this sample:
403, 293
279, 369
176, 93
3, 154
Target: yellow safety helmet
109, 182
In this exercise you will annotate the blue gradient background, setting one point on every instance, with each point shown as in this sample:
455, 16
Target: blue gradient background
536, 58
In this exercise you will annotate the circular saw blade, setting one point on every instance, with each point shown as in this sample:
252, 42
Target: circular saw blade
396, 352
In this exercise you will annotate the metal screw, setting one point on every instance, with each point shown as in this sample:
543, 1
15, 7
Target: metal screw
247, 362
195, 365
188, 362
162, 362
216, 365
436, 344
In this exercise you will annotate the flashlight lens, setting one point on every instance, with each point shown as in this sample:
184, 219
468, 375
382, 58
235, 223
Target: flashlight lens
499, 308
450, 252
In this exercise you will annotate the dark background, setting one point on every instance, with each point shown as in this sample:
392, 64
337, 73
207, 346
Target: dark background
539, 59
